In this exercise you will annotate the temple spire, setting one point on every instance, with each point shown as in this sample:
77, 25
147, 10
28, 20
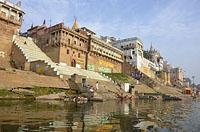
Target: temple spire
151, 48
32, 25
75, 25
44, 22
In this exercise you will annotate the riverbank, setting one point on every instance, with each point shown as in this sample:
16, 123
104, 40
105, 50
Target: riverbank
17, 84
48, 93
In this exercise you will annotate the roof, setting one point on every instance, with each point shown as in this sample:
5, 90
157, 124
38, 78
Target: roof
88, 30
128, 40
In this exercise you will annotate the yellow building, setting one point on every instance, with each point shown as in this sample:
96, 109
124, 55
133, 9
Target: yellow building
103, 57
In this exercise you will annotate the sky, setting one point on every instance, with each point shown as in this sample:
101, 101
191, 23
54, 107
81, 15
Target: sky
171, 26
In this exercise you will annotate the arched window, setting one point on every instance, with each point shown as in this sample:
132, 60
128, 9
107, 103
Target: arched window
67, 51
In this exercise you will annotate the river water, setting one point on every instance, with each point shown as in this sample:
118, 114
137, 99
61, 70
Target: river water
114, 116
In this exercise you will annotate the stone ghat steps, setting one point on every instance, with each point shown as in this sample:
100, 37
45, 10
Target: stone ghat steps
33, 53
29, 79
30, 50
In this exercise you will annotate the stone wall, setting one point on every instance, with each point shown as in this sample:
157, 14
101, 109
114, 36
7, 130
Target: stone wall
41, 67
10, 79
72, 57
128, 68
7, 30
53, 53
17, 58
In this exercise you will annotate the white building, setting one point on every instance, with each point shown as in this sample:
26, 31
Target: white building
108, 39
133, 53
132, 48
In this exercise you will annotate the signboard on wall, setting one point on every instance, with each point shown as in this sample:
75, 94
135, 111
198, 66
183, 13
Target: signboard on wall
105, 70
106, 64
90, 67
80, 61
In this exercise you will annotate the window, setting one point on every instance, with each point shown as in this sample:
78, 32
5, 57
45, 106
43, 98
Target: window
73, 52
3, 13
68, 41
67, 51
74, 42
12, 17
122, 47
133, 52
79, 55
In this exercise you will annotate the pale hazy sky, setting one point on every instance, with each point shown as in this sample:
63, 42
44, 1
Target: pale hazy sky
173, 26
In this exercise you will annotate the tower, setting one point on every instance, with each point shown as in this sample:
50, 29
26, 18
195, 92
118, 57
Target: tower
10, 23
75, 25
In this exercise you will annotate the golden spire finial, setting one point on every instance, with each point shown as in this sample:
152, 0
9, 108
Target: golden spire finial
75, 25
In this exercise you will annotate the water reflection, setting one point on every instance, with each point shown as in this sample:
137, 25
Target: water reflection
109, 116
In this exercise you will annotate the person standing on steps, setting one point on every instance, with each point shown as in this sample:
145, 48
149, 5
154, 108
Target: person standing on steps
97, 85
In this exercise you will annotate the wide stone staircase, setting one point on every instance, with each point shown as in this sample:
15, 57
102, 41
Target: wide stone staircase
33, 53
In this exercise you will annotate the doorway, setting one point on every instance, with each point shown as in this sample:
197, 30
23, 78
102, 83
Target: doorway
73, 63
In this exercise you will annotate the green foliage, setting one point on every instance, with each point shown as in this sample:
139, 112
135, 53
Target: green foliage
44, 91
121, 78
5, 92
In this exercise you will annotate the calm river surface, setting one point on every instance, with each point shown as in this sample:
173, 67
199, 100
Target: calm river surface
116, 116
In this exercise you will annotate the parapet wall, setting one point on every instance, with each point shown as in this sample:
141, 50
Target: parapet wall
14, 79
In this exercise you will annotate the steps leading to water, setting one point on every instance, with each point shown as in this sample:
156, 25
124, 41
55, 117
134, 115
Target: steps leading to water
33, 53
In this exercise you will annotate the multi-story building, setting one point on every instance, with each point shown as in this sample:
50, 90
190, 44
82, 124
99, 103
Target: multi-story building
177, 75
132, 48
62, 44
10, 23
133, 54
77, 47
103, 57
